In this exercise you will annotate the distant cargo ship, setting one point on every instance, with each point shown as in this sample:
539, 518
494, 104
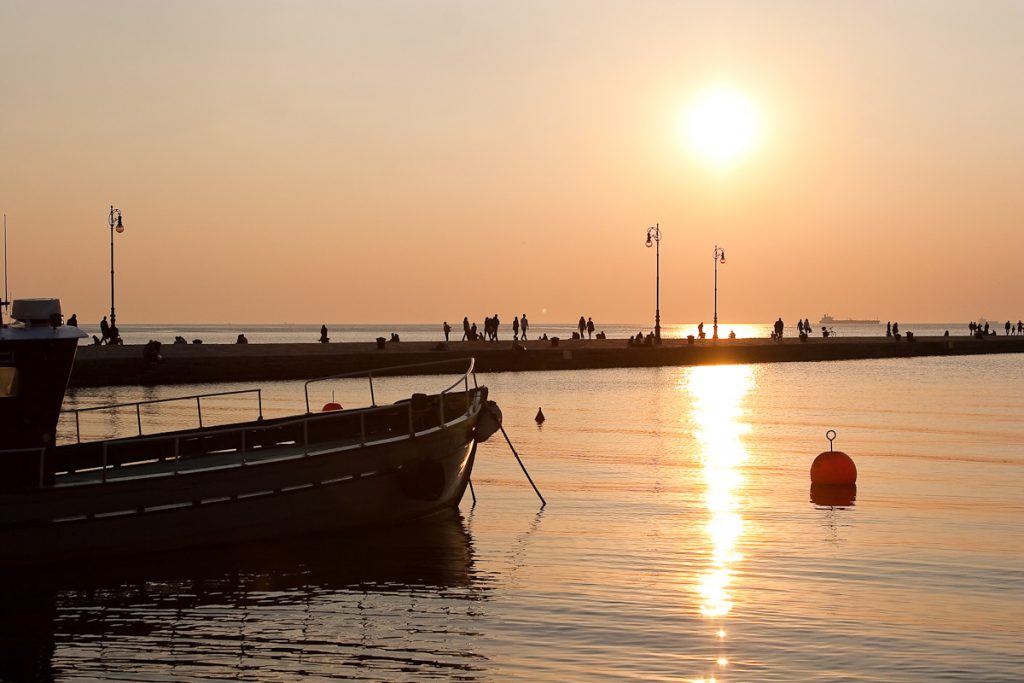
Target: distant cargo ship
829, 320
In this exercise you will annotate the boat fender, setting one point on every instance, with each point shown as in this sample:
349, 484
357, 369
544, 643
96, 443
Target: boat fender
422, 479
328, 407
489, 422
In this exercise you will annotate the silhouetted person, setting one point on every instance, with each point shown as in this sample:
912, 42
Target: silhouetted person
888, 329
494, 326
1020, 327
465, 329
779, 327
241, 339
105, 330
323, 335
472, 333
895, 329
524, 325
1009, 326
447, 330
515, 328
590, 328
971, 327
114, 335
700, 330
799, 326
96, 340
986, 327
73, 320
582, 325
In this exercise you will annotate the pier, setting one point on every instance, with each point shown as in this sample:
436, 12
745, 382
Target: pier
204, 363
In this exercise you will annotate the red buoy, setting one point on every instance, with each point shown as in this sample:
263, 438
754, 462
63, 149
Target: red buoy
331, 406
833, 468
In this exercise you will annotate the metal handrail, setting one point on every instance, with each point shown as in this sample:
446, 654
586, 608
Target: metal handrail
303, 419
138, 407
369, 374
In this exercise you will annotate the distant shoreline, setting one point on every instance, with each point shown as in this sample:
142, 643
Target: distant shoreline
234, 363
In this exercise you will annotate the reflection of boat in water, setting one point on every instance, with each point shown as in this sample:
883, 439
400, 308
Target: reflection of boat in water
265, 479
63, 605
829, 320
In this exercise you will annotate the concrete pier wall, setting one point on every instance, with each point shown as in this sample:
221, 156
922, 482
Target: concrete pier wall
191, 364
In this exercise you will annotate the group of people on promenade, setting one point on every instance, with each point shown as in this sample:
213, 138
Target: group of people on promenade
586, 326
520, 326
982, 330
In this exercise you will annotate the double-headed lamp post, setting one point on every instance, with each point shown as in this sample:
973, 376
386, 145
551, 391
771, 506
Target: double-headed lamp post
719, 256
115, 224
654, 237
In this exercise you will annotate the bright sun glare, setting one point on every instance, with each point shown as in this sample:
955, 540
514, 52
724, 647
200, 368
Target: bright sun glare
722, 126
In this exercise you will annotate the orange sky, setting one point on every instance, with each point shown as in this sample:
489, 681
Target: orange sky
419, 161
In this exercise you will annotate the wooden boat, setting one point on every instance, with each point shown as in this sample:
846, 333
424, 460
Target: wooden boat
207, 486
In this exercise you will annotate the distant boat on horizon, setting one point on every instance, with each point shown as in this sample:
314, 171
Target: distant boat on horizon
829, 320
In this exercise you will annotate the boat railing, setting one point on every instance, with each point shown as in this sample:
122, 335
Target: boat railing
138, 407
398, 370
223, 439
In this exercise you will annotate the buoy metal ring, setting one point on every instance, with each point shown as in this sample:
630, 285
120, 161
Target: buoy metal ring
831, 436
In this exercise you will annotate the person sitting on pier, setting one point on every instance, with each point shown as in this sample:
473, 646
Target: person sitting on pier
73, 320
395, 337
824, 332
323, 335
601, 335
241, 339
180, 340
114, 336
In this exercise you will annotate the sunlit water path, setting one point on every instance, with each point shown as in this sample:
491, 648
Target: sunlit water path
679, 543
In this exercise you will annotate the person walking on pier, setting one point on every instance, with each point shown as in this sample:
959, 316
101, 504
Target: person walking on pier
465, 329
582, 326
1009, 326
895, 329
888, 329
104, 330
779, 328
590, 328
447, 330
1020, 327
524, 325
515, 328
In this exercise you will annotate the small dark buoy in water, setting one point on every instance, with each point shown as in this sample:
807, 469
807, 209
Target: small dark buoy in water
540, 416
833, 468
328, 407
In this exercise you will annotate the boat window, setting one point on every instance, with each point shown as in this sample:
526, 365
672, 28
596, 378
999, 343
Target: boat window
8, 381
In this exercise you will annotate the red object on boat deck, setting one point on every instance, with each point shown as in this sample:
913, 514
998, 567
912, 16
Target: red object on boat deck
833, 468
331, 406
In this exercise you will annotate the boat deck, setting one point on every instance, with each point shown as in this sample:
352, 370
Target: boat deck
228, 459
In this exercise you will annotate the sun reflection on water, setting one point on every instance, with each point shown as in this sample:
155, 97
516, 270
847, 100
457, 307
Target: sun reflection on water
717, 394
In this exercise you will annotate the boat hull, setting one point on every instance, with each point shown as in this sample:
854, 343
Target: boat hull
325, 491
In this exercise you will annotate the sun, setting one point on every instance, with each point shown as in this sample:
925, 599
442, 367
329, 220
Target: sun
722, 126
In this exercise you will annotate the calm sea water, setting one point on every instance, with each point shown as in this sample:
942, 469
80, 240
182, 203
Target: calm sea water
679, 543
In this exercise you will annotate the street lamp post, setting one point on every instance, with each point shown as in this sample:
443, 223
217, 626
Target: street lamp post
719, 256
115, 224
654, 236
